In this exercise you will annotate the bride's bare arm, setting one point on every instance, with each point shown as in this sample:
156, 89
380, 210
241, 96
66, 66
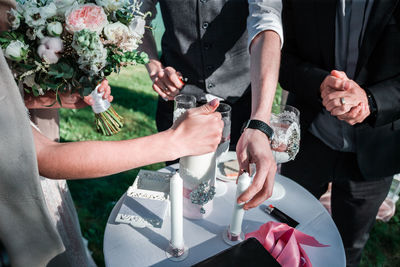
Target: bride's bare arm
197, 132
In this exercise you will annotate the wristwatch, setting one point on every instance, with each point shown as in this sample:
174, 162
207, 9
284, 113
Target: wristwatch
259, 125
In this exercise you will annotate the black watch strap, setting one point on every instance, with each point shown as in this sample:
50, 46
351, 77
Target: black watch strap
259, 125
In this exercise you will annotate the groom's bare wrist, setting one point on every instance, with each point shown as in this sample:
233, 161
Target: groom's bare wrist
265, 117
153, 67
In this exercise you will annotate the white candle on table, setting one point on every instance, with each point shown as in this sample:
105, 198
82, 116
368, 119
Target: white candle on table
176, 198
238, 211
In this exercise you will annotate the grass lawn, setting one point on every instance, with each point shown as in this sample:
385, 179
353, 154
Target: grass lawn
136, 102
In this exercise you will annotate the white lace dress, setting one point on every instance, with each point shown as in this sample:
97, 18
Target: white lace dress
62, 211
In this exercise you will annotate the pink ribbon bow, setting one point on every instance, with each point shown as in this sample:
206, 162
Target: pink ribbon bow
283, 242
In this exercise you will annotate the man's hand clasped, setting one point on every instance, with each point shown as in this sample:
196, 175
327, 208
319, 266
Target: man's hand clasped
344, 98
167, 82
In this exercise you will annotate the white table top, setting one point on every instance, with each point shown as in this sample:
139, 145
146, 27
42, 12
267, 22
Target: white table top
128, 246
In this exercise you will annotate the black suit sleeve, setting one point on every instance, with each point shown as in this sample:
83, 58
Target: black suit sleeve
296, 75
386, 60
387, 98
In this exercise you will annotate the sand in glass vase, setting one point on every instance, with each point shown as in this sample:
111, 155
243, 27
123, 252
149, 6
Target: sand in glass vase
183, 103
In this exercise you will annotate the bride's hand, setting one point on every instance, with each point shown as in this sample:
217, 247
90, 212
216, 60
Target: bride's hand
198, 131
104, 87
68, 100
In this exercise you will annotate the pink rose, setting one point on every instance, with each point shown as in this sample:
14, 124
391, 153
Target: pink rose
89, 16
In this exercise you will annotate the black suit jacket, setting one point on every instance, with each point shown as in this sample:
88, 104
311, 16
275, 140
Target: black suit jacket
308, 57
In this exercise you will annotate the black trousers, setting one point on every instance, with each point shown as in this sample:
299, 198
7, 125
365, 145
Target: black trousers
241, 111
354, 202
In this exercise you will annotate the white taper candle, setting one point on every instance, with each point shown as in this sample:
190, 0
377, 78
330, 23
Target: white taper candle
176, 198
244, 181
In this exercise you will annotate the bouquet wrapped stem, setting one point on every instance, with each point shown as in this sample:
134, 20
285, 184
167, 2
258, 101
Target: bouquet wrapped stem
107, 120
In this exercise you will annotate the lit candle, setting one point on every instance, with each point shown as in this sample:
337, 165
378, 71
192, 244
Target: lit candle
238, 211
176, 198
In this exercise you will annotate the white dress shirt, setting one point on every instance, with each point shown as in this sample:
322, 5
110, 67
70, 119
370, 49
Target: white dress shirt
264, 15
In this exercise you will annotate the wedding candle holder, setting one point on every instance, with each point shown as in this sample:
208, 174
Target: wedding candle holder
230, 238
176, 254
234, 234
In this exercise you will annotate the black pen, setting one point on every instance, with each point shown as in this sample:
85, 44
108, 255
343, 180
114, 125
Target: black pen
281, 216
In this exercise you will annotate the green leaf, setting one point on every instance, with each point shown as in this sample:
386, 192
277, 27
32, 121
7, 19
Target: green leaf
52, 104
53, 85
4, 40
58, 99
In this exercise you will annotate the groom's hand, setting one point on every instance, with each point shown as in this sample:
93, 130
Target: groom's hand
254, 147
167, 82
198, 131
349, 104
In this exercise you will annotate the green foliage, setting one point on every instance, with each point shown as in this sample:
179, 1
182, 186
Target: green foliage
61, 70
124, 15
7, 37
118, 59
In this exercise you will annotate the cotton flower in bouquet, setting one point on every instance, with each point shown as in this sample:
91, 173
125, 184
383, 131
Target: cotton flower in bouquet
72, 45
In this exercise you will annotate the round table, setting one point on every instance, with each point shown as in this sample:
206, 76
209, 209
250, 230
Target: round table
125, 245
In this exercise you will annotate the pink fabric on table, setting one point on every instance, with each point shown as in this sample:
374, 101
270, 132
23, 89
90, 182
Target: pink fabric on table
284, 243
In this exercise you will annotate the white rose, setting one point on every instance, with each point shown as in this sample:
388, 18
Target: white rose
112, 5
137, 27
115, 31
55, 28
16, 50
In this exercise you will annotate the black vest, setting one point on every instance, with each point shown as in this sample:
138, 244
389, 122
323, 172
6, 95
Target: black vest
206, 40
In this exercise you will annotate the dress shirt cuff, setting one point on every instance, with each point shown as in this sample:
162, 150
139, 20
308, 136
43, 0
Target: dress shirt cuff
263, 16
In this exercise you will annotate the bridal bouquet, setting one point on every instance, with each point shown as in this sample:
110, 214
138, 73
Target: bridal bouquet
71, 45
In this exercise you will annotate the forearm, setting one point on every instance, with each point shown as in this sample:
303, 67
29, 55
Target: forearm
91, 159
149, 46
264, 69
48, 101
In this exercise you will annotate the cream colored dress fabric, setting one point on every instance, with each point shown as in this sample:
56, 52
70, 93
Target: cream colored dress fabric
63, 213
